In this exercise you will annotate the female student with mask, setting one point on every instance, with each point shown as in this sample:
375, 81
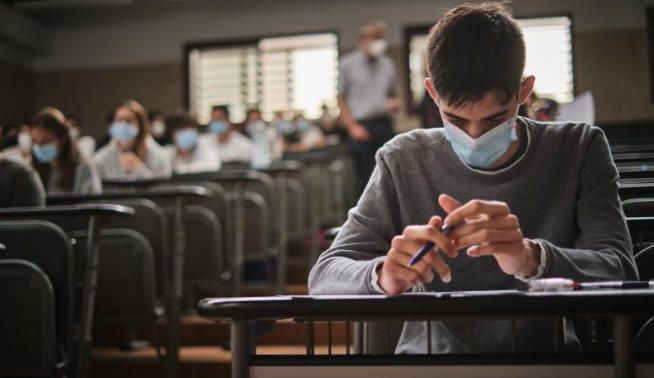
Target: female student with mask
56, 159
132, 153
188, 153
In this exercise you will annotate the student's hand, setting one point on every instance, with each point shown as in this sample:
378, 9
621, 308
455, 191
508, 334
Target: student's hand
130, 161
395, 275
358, 132
491, 229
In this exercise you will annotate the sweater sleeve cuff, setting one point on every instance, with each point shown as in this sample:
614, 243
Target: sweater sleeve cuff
541, 266
374, 277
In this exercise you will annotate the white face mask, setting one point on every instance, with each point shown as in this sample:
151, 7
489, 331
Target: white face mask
377, 47
158, 129
25, 141
74, 133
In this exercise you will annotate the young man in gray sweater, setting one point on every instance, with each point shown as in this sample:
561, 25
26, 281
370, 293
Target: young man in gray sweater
529, 200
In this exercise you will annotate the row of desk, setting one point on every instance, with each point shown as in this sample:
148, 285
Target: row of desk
280, 185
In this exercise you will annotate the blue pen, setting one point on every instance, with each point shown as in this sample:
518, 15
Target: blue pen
428, 246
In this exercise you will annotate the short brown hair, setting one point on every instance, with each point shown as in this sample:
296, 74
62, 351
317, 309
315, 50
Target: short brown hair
475, 49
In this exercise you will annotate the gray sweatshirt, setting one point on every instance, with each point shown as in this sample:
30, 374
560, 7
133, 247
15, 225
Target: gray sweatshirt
563, 189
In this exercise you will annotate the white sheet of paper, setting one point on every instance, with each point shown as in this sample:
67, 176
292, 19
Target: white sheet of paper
581, 109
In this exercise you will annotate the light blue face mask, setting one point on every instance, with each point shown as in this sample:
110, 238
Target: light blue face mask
303, 125
123, 131
218, 127
481, 152
255, 127
186, 139
285, 127
45, 153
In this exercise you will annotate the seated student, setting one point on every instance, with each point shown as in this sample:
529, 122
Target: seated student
158, 127
232, 146
132, 153
252, 115
56, 159
308, 136
268, 139
21, 185
189, 154
284, 127
528, 200
85, 143
22, 151
331, 127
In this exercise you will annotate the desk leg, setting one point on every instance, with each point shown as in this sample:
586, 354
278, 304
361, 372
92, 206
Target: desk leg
175, 296
623, 347
239, 241
241, 349
315, 214
88, 298
280, 281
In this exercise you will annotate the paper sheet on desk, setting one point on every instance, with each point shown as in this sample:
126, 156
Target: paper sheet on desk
581, 109
458, 294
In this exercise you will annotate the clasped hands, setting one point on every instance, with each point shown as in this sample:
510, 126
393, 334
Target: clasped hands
483, 228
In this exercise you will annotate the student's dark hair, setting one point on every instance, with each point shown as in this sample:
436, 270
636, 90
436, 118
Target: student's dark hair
54, 121
475, 49
152, 114
179, 120
224, 108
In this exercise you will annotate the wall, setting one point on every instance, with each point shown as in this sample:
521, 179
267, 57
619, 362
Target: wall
614, 64
102, 56
17, 93
93, 93
154, 31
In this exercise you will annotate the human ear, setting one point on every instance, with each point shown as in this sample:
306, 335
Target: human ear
432, 91
526, 87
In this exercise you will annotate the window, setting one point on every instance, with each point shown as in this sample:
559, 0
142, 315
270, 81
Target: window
274, 74
549, 57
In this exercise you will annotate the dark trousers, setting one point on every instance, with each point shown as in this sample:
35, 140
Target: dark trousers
381, 131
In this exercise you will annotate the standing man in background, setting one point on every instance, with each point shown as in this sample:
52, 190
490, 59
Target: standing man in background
366, 97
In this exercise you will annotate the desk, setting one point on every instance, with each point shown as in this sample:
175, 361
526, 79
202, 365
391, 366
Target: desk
238, 182
177, 194
94, 213
327, 189
621, 306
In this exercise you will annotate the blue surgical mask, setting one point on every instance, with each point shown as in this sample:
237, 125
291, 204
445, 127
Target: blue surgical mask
303, 125
45, 153
218, 127
481, 152
255, 127
123, 131
285, 127
186, 139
